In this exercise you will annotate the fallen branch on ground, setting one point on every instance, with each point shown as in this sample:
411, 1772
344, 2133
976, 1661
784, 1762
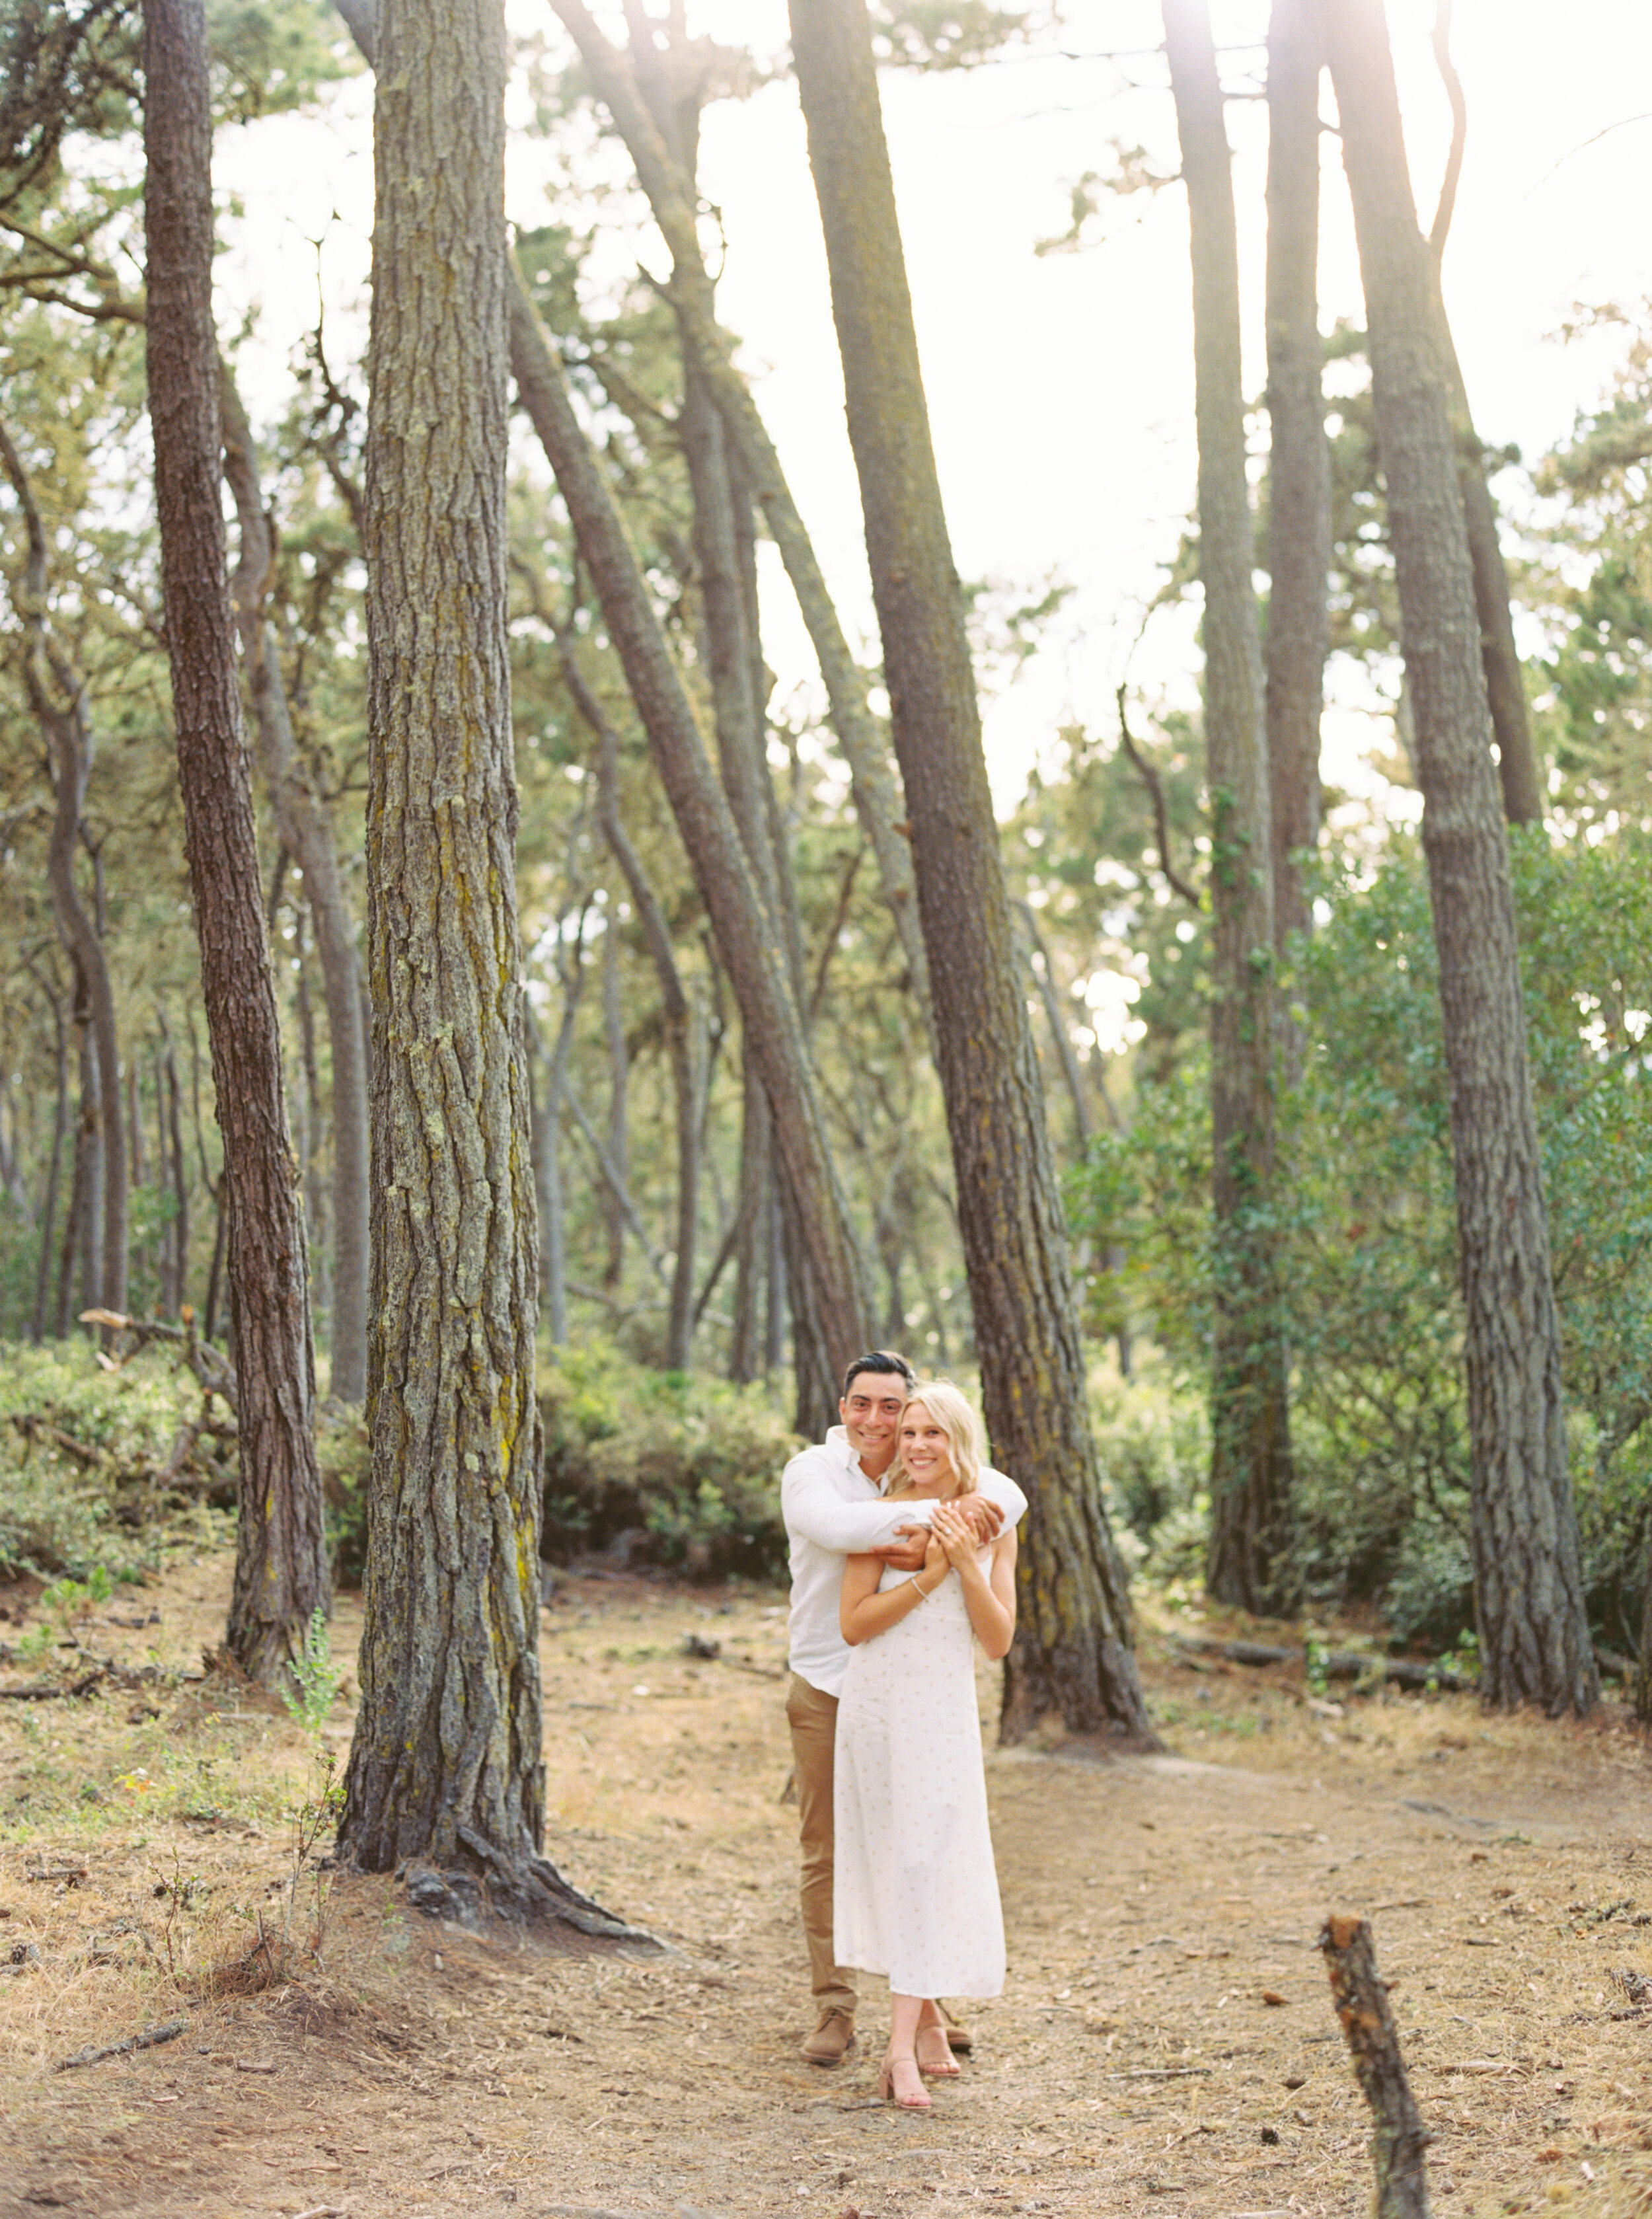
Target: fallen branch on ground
1398, 2138
149, 2039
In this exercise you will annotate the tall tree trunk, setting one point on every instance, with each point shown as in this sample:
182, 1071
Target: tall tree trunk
446, 1765
1299, 460
756, 965
1250, 1426
1534, 1635
57, 698
281, 1561
1071, 1652
306, 831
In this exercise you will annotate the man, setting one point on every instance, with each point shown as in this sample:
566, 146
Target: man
831, 1497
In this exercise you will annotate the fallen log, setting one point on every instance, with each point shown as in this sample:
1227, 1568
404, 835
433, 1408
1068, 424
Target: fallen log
1398, 2137
1334, 1663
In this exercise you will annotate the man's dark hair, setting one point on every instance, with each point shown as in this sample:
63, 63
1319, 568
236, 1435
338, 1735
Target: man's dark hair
880, 1359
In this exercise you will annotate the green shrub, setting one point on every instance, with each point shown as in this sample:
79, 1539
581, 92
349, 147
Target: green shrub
685, 1470
61, 1516
688, 1466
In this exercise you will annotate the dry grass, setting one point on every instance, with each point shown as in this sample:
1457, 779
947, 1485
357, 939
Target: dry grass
341, 2052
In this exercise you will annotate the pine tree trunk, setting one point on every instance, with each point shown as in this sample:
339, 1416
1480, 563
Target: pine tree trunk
446, 1765
1250, 1425
306, 831
281, 1566
1072, 1653
1299, 460
1534, 1634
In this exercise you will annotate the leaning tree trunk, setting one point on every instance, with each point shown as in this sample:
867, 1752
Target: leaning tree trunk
307, 834
1534, 1634
673, 198
1072, 1653
281, 1563
1299, 462
1247, 1562
751, 945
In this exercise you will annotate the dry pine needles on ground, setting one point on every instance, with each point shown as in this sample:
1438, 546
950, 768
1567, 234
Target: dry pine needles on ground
1166, 2046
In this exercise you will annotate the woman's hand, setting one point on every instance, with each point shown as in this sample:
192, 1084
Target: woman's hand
954, 1533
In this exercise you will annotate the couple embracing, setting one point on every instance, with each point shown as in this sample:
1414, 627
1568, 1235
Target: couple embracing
902, 1555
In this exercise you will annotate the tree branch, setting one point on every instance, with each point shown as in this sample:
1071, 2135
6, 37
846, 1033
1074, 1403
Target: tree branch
1454, 93
1151, 779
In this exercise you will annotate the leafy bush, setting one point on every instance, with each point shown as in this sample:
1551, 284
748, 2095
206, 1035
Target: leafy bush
689, 1467
681, 1471
61, 1515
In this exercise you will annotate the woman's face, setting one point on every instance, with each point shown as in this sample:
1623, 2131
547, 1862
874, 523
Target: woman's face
926, 1453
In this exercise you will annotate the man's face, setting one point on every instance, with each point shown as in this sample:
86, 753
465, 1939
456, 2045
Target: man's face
871, 1412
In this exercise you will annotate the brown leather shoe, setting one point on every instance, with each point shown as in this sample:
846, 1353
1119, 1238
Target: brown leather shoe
832, 2040
959, 2039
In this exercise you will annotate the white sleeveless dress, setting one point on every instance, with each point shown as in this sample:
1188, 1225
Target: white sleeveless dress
915, 1890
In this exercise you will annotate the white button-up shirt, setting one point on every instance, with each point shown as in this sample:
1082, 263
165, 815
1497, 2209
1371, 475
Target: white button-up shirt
833, 1510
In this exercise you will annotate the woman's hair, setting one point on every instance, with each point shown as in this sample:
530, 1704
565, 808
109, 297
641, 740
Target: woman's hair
954, 1413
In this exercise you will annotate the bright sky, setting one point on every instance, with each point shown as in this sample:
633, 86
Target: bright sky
1060, 387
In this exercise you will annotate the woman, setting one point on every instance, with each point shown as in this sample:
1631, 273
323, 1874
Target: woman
915, 1895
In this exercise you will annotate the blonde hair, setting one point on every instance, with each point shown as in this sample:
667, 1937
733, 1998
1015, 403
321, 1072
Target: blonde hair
954, 1413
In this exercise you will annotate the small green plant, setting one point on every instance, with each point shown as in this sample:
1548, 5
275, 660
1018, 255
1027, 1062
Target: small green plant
315, 1677
68, 1601
1316, 1661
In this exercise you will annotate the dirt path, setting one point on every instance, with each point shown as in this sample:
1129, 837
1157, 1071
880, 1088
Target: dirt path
1165, 2046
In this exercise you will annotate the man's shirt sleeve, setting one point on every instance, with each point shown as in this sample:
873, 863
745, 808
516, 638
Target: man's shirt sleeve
815, 1510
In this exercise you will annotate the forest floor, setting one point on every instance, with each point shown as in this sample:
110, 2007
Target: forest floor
1166, 2045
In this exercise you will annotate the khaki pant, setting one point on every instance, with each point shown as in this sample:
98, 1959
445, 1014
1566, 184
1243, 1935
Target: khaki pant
812, 1717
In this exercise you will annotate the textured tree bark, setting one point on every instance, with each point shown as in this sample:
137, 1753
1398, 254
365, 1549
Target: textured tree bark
751, 945
306, 832
1071, 1654
1534, 1634
281, 1564
57, 698
672, 198
1398, 2138
1299, 461
446, 1767
1247, 1562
